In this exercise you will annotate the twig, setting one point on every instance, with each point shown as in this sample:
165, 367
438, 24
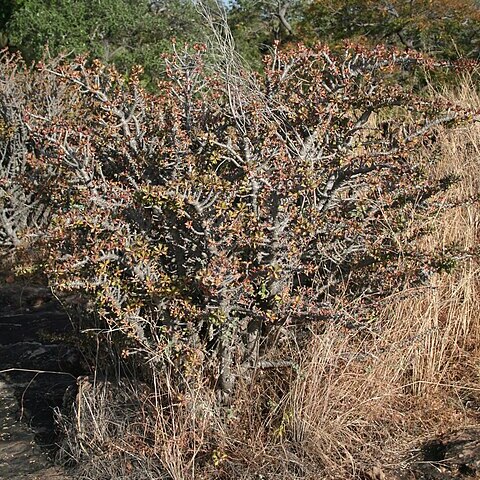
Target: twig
36, 371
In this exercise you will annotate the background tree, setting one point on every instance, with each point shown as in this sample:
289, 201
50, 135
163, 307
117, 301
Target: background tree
446, 29
125, 32
256, 25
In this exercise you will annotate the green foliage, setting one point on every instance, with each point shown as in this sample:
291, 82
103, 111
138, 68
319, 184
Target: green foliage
125, 32
256, 26
445, 29
6, 11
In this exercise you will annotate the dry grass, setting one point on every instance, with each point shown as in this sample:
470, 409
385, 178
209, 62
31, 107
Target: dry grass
363, 400
358, 399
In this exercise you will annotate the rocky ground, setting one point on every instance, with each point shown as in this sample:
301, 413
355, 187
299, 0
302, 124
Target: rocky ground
36, 367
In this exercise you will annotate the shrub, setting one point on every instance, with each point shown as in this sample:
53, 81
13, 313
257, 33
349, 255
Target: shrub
20, 205
228, 211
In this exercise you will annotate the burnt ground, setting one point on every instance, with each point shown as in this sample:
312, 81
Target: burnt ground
452, 456
36, 367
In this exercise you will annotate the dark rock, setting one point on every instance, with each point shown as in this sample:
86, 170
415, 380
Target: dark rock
35, 370
454, 456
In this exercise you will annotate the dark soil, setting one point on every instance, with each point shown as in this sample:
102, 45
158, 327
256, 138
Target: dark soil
453, 456
36, 367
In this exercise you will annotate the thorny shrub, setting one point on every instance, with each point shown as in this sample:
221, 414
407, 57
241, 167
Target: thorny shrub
19, 207
225, 211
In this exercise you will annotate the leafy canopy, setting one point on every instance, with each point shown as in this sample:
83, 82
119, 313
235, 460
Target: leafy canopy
444, 28
125, 32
